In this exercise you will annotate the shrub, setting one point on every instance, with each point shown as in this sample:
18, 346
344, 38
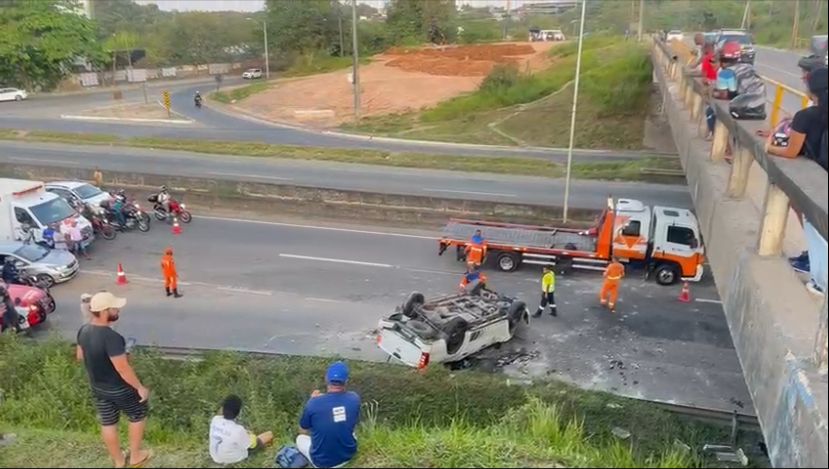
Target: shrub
500, 78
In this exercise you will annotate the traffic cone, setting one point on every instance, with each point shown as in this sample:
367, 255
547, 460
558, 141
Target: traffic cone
176, 226
685, 294
121, 278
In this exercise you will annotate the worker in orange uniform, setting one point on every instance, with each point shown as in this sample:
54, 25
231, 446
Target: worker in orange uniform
610, 289
168, 269
476, 250
473, 280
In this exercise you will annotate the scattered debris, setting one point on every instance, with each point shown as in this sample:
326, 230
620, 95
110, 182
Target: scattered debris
521, 356
726, 453
519, 382
620, 433
681, 447
356, 349
736, 402
613, 405
614, 364
7, 439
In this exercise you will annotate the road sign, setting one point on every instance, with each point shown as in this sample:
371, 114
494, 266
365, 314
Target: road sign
166, 97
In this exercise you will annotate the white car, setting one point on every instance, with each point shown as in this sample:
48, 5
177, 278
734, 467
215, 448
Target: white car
12, 94
449, 328
79, 191
252, 73
675, 35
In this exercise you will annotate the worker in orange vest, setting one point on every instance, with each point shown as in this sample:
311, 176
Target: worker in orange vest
472, 280
168, 269
476, 250
610, 289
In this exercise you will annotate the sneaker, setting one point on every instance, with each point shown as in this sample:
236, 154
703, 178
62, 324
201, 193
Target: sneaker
814, 288
801, 265
537, 314
803, 256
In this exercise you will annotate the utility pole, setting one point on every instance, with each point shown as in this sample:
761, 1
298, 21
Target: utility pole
355, 74
746, 22
573, 114
340, 27
796, 23
267, 59
641, 18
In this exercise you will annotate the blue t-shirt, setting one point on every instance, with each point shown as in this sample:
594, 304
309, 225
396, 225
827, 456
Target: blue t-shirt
727, 80
331, 419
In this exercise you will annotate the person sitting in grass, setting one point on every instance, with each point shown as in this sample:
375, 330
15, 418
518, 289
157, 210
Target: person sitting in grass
229, 441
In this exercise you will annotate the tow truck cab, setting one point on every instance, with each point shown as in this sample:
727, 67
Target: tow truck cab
666, 238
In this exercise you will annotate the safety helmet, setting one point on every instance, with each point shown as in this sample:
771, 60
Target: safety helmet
731, 50
168, 251
164, 188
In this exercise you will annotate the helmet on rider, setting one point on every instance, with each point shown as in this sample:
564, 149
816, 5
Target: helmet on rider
731, 51
163, 188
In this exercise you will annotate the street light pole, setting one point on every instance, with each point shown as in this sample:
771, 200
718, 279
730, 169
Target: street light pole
355, 73
641, 17
265, 38
573, 114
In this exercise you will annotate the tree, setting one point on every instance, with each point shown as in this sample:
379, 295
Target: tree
40, 40
304, 26
431, 20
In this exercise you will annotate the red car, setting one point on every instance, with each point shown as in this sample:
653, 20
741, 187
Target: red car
38, 302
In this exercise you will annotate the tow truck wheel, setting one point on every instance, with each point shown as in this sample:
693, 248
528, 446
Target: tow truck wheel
666, 274
508, 261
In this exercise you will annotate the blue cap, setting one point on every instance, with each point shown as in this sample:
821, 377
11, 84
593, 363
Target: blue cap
337, 373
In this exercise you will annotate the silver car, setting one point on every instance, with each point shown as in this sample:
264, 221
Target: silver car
49, 266
78, 191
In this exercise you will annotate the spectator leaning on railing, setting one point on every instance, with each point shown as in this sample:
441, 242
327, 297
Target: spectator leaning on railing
807, 136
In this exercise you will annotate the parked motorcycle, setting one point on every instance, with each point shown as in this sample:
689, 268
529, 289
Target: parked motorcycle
102, 226
133, 218
177, 210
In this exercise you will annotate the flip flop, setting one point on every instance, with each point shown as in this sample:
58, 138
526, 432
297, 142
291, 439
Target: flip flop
124, 454
143, 461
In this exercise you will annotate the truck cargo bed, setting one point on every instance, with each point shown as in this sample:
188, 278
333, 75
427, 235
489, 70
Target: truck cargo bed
521, 236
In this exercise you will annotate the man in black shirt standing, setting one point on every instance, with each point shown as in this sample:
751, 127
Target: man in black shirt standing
115, 386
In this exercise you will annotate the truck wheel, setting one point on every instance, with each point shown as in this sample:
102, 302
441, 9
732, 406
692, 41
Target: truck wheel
415, 299
517, 314
455, 331
667, 274
508, 261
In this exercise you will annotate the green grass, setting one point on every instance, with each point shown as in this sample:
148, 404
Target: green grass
238, 94
312, 64
623, 170
436, 419
614, 100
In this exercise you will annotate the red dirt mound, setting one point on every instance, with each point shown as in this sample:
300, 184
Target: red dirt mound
458, 60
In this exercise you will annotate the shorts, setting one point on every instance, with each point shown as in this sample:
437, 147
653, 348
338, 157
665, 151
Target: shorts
110, 404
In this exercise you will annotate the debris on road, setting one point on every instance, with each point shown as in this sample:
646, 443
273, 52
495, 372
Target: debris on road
620, 433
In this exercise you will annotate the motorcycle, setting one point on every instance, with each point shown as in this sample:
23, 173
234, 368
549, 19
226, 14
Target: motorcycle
133, 217
101, 226
197, 101
34, 281
178, 210
23, 325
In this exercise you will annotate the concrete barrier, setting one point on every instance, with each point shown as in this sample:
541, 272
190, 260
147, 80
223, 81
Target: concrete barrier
277, 199
778, 328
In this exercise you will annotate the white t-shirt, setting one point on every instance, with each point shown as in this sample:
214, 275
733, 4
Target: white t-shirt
229, 441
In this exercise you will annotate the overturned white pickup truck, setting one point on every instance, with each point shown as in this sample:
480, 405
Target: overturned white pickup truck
449, 328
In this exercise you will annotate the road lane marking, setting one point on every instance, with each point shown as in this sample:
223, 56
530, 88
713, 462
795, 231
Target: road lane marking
322, 228
339, 261
258, 176
323, 300
771, 67
45, 160
496, 194
705, 300
429, 271
124, 119
228, 288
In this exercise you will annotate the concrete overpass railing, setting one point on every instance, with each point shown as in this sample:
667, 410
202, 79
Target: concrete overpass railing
779, 329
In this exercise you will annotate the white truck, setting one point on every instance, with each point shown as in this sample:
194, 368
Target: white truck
26, 209
449, 328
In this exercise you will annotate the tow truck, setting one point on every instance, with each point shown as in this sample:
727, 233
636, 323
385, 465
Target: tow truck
664, 240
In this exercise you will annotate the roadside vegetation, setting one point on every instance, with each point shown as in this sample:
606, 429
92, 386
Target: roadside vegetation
651, 169
242, 92
511, 107
436, 419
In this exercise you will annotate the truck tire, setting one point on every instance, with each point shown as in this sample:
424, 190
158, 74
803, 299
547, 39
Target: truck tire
508, 261
415, 299
455, 331
517, 314
667, 274
422, 329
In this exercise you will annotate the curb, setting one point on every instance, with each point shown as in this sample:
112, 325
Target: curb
125, 119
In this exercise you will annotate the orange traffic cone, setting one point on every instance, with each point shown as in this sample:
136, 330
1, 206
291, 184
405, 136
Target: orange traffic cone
685, 294
121, 278
176, 226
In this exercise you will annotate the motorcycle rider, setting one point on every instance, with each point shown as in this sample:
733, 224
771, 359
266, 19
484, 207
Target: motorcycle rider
163, 198
10, 272
10, 316
197, 99
118, 209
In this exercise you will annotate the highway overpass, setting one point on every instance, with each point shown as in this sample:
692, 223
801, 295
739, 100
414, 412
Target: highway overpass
744, 206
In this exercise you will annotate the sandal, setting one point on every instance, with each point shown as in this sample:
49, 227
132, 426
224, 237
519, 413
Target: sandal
143, 461
124, 454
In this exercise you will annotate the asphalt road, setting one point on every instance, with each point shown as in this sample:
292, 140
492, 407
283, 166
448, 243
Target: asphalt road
781, 65
320, 290
371, 178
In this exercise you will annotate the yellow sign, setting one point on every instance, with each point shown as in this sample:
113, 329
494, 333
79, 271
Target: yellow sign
166, 95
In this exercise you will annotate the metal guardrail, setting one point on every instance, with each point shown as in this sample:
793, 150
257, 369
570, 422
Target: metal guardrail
683, 52
790, 182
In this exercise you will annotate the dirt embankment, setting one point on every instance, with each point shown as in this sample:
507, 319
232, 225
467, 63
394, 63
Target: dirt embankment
400, 80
